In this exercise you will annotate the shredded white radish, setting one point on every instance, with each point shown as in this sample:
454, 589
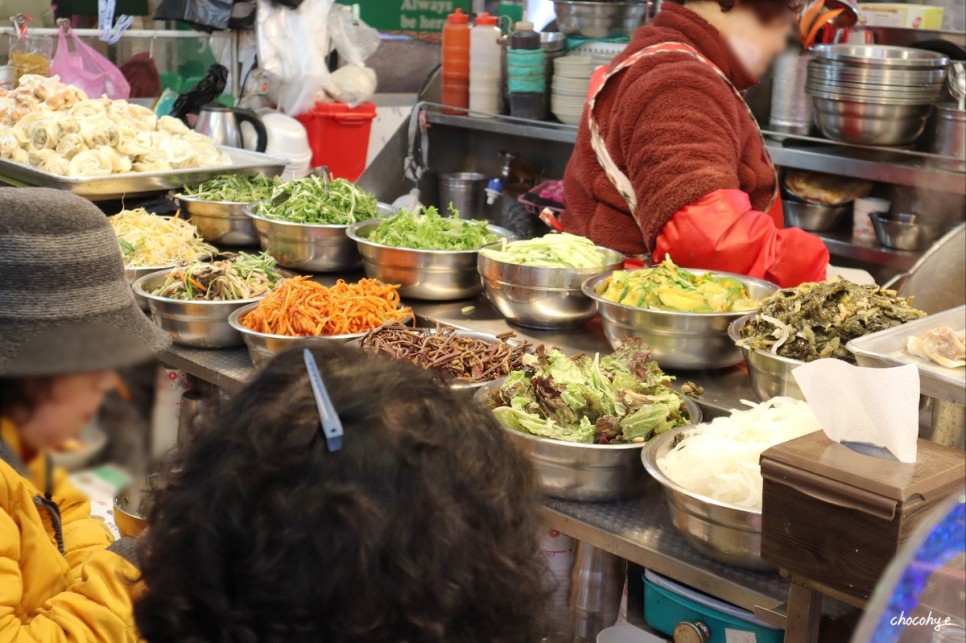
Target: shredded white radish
720, 460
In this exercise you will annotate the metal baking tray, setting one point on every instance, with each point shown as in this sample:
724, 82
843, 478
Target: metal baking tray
888, 348
116, 186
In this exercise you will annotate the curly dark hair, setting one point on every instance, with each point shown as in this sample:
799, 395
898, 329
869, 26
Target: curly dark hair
423, 528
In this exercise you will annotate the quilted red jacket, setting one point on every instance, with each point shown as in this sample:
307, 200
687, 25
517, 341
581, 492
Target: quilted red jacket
697, 162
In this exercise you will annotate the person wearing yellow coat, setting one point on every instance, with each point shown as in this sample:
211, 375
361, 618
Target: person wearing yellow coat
67, 320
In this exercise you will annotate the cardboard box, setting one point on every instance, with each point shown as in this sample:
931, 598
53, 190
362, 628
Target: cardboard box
905, 16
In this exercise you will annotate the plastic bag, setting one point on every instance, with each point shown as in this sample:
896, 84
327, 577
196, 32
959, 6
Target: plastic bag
292, 47
206, 15
85, 68
355, 41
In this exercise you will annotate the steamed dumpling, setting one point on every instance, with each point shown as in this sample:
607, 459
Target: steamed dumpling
90, 163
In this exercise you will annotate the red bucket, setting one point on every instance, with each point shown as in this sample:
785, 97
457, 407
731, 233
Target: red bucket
339, 136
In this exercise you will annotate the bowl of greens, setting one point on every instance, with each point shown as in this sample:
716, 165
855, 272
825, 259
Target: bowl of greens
584, 420
683, 315
812, 321
192, 302
430, 256
303, 223
217, 207
537, 282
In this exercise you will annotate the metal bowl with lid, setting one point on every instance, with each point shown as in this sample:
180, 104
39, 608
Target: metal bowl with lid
721, 531
688, 341
586, 472
539, 297
199, 324
434, 275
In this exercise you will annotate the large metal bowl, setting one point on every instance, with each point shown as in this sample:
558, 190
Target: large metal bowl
813, 217
221, 222
720, 531
771, 375
199, 324
544, 298
262, 347
304, 246
458, 385
133, 274
435, 275
824, 69
853, 121
688, 341
599, 19
880, 56
586, 472
905, 231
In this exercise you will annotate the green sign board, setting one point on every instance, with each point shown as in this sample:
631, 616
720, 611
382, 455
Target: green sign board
407, 15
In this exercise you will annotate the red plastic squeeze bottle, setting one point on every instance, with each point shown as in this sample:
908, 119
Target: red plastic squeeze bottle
456, 62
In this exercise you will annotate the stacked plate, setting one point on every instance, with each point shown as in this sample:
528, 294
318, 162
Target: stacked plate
571, 78
600, 52
874, 94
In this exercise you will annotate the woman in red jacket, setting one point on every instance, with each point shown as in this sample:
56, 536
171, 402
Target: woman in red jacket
669, 159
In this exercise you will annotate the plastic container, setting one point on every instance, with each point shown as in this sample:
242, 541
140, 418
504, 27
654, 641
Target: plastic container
339, 137
526, 73
486, 74
456, 62
668, 605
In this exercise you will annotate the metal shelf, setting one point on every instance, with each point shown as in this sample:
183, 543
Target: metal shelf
893, 166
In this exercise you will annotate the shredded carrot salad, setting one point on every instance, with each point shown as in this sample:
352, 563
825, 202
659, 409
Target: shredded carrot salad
301, 307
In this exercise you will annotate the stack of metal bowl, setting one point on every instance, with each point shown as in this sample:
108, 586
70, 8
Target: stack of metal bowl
600, 19
874, 94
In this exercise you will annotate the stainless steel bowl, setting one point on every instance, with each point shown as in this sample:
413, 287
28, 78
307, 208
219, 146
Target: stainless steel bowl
586, 472
458, 384
688, 341
221, 222
599, 19
199, 324
904, 231
823, 69
771, 375
133, 274
813, 217
304, 246
724, 532
881, 56
262, 347
886, 96
128, 512
544, 298
435, 275
852, 121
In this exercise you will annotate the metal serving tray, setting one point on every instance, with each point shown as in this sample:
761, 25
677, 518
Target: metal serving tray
116, 186
888, 348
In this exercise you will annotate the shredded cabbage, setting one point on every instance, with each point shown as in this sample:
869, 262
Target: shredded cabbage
720, 460
148, 239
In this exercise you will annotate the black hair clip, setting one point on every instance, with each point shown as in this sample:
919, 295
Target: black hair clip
331, 425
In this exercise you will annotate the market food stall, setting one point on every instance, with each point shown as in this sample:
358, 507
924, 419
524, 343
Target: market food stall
623, 385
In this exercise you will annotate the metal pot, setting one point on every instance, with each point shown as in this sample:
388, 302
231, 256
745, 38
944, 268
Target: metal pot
949, 136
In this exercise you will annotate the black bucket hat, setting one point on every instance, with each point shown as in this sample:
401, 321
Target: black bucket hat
65, 306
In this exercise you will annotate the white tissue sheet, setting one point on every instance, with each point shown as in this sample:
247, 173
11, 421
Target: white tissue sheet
878, 406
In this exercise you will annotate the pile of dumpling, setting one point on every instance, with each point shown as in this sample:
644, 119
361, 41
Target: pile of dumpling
56, 128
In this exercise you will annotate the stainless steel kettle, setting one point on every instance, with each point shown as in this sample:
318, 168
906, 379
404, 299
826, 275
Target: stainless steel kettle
221, 124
